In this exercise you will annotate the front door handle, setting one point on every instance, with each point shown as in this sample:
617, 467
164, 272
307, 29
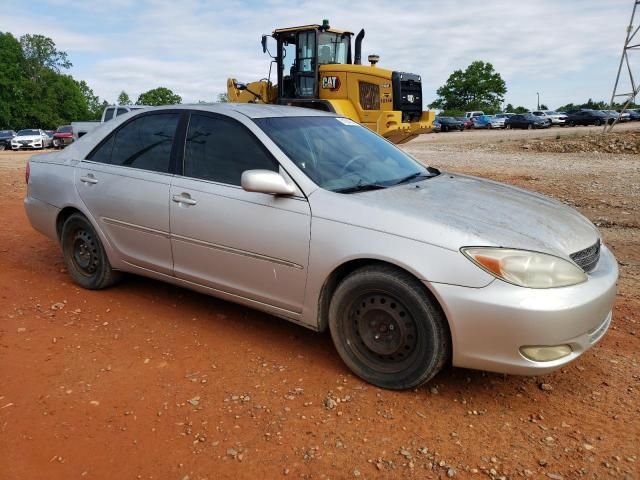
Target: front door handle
89, 179
184, 198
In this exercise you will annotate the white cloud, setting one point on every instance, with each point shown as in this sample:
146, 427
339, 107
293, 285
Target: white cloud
568, 50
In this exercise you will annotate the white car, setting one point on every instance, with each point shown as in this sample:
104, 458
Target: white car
556, 118
34, 139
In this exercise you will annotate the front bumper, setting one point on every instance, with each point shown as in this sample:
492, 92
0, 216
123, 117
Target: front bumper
489, 325
32, 146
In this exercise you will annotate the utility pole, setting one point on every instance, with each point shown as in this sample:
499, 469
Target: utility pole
631, 43
538, 94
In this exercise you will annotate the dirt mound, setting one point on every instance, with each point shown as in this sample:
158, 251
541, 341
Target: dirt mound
621, 143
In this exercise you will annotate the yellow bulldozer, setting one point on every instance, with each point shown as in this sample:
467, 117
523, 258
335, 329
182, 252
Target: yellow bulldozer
316, 69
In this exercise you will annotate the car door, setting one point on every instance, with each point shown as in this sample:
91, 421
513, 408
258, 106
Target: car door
124, 183
251, 245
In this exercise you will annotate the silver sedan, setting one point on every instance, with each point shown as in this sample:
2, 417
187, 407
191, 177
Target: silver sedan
313, 218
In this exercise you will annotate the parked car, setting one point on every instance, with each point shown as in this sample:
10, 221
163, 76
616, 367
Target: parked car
33, 138
634, 115
450, 123
487, 121
476, 113
467, 122
589, 117
316, 219
437, 126
619, 116
527, 120
63, 136
556, 118
5, 139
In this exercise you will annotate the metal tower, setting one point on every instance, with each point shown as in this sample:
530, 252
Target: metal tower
631, 43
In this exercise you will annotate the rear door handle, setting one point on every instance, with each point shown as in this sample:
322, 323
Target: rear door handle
89, 179
184, 198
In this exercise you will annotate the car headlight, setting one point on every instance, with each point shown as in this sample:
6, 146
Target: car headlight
525, 268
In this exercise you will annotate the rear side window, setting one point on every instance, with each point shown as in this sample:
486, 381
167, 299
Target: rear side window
121, 111
146, 142
108, 114
219, 149
103, 153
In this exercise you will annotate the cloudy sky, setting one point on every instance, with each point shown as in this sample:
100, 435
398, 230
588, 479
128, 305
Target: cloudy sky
567, 50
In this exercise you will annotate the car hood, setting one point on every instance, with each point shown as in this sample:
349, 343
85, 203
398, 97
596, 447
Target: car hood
453, 211
27, 137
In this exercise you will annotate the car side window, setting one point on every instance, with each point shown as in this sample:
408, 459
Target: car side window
102, 154
219, 149
146, 142
108, 114
121, 111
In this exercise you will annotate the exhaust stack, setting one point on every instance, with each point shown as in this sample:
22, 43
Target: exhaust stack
357, 58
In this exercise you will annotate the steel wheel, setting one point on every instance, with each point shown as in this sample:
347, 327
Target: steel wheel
85, 252
84, 255
382, 332
387, 329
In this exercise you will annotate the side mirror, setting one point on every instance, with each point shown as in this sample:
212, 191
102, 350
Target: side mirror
265, 181
264, 44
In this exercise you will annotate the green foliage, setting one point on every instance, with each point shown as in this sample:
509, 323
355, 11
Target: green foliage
123, 98
40, 54
94, 107
159, 96
33, 91
479, 87
543, 107
519, 109
452, 113
223, 98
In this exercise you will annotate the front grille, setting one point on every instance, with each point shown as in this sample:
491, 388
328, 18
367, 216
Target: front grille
407, 95
588, 258
369, 96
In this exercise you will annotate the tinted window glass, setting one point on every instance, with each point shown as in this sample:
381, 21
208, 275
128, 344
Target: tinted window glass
121, 111
103, 153
146, 142
220, 149
108, 114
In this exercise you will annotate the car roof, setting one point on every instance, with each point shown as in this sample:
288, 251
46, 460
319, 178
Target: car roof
251, 110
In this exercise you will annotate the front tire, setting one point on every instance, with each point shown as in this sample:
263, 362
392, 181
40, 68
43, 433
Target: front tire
84, 255
387, 329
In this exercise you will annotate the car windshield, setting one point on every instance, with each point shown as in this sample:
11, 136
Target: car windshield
66, 129
28, 132
6, 132
340, 155
447, 119
332, 48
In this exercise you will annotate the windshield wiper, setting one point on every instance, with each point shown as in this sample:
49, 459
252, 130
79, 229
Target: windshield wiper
361, 187
431, 170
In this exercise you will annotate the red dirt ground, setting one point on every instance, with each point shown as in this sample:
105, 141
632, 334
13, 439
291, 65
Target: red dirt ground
149, 381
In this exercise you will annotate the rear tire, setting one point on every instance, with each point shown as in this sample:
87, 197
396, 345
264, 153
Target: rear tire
84, 255
597, 123
387, 329
2, 147
529, 126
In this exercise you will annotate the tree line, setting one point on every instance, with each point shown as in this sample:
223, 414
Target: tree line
480, 87
35, 91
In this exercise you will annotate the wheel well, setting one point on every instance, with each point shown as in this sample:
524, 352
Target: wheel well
62, 217
349, 267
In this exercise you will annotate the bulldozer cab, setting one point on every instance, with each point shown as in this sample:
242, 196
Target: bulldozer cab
300, 52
